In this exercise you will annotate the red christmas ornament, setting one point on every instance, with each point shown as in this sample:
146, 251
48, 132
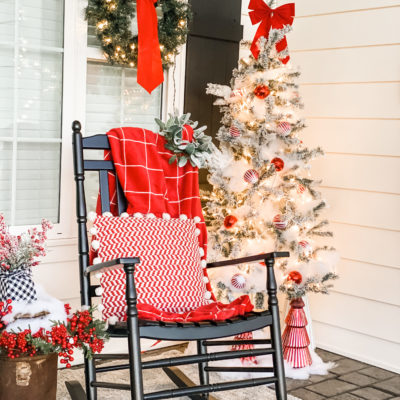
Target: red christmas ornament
295, 276
238, 281
279, 164
284, 128
251, 176
230, 221
261, 91
295, 340
234, 131
280, 222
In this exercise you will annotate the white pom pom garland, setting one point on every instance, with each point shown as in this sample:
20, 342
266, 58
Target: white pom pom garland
107, 214
95, 244
183, 217
203, 263
197, 232
100, 307
138, 215
197, 220
92, 216
150, 215
99, 291
112, 320
166, 216
93, 231
124, 215
98, 275
207, 295
205, 279
96, 260
201, 251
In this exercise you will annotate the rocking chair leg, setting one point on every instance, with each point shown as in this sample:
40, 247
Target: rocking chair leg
90, 376
203, 374
133, 335
277, 356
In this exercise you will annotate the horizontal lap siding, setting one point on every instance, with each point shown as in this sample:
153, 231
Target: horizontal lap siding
349, 56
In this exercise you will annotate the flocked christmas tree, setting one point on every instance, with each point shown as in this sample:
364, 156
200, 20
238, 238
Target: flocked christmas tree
264, 197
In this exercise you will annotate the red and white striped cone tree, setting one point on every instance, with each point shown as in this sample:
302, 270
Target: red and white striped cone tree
295, 340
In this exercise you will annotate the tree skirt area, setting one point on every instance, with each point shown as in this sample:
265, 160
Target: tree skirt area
156, 380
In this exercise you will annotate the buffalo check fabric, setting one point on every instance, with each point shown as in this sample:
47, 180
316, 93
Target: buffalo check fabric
169, 276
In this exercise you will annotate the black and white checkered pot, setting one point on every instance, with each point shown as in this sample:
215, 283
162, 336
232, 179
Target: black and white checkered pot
17, 285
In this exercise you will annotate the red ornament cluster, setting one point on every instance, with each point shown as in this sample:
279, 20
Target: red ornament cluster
80, 331
261, 91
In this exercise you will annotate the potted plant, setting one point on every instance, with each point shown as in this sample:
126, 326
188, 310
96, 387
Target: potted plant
28, 360
18, 254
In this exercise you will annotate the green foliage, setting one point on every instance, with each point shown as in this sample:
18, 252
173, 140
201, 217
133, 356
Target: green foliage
197, 151
112, 20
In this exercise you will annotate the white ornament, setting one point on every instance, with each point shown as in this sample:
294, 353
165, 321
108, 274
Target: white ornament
251, 176
92, 216
280, 222
284, 128
124, 215
183, 217
196, 220
305, 247
166, 216
93, 230
95, 244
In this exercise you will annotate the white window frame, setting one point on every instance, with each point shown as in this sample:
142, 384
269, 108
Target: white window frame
76, 55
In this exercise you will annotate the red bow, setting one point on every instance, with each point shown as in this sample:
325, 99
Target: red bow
275, 18
150, 72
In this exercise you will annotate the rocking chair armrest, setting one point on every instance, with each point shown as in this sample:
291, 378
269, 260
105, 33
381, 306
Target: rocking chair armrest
113, 264
258, 257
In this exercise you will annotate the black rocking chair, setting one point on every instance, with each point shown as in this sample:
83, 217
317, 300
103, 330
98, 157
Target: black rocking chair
134, 329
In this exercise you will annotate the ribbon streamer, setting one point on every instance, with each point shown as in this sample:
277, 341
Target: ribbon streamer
275, 18
150, 72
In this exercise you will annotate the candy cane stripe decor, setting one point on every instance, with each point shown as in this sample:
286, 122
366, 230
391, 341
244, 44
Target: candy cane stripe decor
295, 340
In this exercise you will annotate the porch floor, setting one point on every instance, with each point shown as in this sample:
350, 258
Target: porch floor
349, 380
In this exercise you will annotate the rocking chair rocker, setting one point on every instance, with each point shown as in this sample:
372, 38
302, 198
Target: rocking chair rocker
134, 328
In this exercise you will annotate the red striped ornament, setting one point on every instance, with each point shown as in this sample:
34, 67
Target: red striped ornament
280, 222
295, 340
238, 281
234, 131
305, 247
251, 176
245, 336
284, 128
300, 189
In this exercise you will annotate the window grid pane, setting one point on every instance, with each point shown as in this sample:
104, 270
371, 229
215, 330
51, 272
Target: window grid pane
31, 66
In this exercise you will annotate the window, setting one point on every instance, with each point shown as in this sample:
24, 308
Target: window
31, 77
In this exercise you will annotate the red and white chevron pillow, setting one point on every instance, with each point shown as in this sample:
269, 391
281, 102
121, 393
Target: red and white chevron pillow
170, 276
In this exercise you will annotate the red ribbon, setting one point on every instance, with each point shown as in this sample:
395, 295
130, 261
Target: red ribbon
275, 18
150, 72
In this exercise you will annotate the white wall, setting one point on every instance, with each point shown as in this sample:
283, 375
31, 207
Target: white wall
349, 55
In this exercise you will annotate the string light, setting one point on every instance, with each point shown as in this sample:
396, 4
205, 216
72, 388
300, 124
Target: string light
132, 46
182, 23
102, 25
107, 40
161, 47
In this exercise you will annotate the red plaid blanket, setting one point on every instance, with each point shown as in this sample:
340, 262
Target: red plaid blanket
152, 185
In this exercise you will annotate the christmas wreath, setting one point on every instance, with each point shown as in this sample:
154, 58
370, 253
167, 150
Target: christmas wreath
113, 18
